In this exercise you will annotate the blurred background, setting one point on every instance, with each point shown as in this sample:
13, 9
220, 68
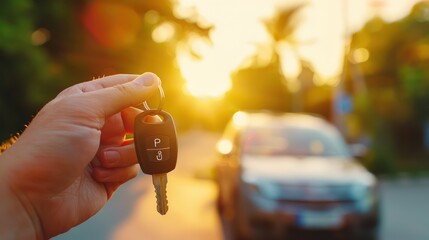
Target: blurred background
363, 65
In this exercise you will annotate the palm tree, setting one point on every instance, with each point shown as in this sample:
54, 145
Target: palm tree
282, 28
260, 82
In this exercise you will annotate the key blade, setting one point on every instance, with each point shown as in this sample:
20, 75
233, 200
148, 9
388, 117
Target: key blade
160, 184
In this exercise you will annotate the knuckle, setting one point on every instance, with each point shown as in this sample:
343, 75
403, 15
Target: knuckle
121, 89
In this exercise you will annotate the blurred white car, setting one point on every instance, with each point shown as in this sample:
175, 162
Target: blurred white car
282, 173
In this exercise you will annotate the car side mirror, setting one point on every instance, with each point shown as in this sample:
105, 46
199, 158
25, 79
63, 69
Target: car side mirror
358, 150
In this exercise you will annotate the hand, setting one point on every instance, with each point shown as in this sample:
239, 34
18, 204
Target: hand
72, 157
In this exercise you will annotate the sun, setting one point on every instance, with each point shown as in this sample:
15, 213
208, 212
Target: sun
202, 77
233, 40
236, 34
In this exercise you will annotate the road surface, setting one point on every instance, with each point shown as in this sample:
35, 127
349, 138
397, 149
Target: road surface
131, 213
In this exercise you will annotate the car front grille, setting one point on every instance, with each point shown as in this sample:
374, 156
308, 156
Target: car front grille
316, 205
320, 194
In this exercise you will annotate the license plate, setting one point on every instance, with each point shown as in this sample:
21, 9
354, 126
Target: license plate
325, 220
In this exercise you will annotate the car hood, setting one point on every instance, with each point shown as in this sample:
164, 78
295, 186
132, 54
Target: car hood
312, 170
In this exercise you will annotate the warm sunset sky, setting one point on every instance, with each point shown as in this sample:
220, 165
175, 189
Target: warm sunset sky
238, 28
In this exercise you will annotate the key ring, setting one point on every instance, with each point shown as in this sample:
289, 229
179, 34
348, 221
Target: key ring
161, 101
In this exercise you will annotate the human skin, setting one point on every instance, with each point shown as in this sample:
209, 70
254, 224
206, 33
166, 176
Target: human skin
72, 157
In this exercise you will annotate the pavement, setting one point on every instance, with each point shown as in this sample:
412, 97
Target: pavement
405, 209
131, 213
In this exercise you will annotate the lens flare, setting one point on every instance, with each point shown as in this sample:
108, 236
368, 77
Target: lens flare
111, 24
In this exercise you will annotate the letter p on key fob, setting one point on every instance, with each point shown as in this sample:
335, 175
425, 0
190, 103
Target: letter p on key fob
155, 142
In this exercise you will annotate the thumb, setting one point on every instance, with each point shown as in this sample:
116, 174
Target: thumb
114, 99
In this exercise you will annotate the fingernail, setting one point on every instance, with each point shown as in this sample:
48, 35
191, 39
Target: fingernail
111, 156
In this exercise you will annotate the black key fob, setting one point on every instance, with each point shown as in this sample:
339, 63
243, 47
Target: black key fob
155, 142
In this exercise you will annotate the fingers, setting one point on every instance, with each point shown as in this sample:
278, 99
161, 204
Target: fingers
117, 125
128, 117
113, 99
113, 131
97, 84
116, 164
117, 157
115, 175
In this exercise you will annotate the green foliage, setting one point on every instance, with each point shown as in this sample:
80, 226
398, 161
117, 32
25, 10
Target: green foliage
396, 75
22, 69
80, 43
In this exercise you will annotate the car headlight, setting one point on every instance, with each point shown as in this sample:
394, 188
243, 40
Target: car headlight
359, 191
259, 194
364, 196
263, 188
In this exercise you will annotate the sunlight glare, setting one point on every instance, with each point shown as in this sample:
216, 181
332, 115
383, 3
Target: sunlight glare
360, 55
224, 146
202, 77
163, 32
234, 39
323, 27
289, 62
239, 118
152, 17
40, 36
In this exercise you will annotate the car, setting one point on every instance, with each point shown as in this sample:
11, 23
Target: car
283, 173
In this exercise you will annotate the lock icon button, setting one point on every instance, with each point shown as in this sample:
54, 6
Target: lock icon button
159, 156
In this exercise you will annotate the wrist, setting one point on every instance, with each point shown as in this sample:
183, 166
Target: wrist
18, 219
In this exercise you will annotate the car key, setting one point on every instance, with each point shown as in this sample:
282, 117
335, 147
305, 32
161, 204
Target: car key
156, 147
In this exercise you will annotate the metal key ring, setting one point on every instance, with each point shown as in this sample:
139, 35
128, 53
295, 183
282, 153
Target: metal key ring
161, 101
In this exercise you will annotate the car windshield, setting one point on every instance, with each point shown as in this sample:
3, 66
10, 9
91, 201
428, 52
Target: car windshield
293, 141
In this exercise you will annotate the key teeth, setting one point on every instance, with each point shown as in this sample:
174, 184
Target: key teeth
159, 203
160, 183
